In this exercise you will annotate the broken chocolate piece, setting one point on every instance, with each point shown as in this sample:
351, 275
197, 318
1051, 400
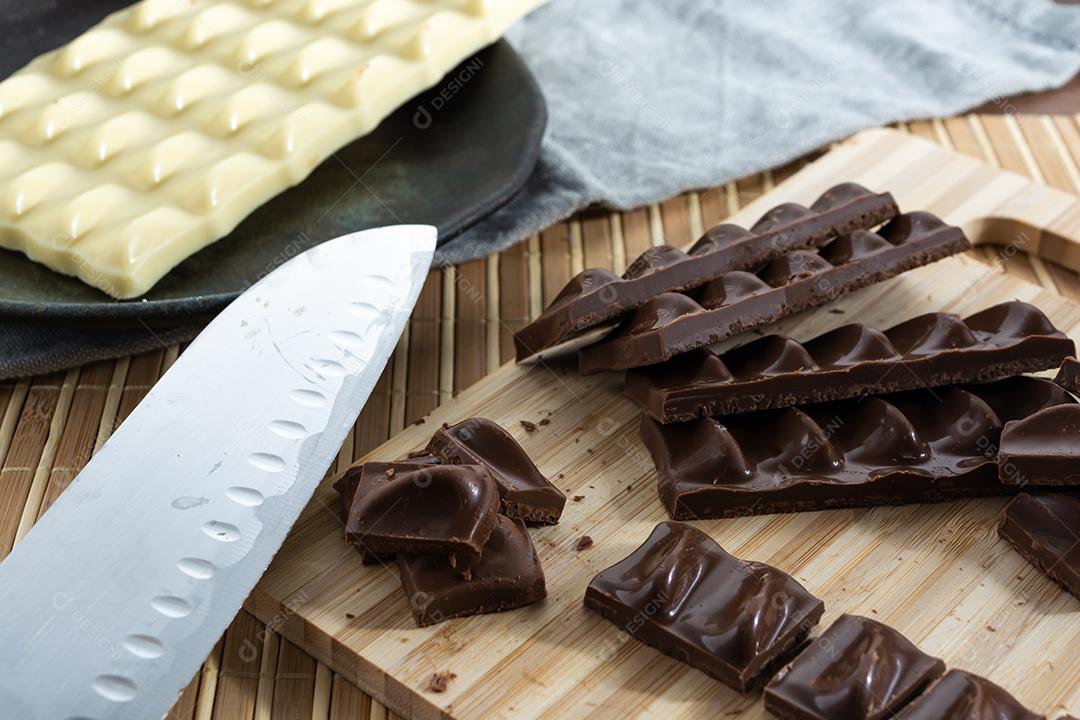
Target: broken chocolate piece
440, 681
1068, 375
1043, 449
858, 669
960, 695
584, 543
525, 492
1045, 529
597, 295
447, 509
682, 594
506, 575
919, 446
854, 360
672, 323
364, 476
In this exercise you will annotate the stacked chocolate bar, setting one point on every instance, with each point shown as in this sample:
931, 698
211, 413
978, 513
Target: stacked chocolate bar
746, 624
453, 517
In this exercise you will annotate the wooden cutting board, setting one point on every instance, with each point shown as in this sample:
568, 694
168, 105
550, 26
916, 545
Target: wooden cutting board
937, 573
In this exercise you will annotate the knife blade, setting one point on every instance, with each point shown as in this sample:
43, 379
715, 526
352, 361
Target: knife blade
118, 593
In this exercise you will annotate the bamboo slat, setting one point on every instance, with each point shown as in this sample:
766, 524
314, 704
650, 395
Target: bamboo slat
516, 287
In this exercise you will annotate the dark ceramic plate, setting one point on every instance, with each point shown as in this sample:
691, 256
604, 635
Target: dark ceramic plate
447, 159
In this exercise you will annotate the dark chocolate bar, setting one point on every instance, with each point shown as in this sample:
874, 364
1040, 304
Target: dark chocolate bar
682, 594
437, 509
673, 323
1042, 449
960, 695
926, 445
1068, 375
1045, 529
525, 492
596, 295
506, 575
776, 371
858, 669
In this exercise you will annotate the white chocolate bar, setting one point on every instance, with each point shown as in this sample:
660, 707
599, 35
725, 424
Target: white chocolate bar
157, 131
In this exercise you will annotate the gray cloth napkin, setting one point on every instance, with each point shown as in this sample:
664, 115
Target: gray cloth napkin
648, 99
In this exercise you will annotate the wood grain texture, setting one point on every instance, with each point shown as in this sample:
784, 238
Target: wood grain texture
523, 274
937, 573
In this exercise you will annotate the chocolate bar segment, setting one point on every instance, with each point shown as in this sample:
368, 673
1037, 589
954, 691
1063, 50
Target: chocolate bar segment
366, 476
960, 695
921, 446
673, 323
506, 575
682, 594
854, 360
596, 295
858, 669
525, 492
439, 509
1043, 449
1045, 529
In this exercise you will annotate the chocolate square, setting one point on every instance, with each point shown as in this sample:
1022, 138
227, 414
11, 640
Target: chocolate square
506, 575
682, 594
858, 669
963, 696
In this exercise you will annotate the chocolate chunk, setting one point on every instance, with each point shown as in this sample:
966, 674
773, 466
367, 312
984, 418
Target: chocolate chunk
671, 323
920, 446
507, 575
858, 669
1068, 375
1045, 529
440, 681
447, 509
682, 594
854, 360
1043, 449
364, 476
597, 295
525, 492
962, 696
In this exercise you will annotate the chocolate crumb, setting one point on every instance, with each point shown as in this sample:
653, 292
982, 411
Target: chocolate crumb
630, 487
991, 628
589, 450
529, 426
836, 311
544, 422
578, 498
583, 543
421, 421
561, 475
438, 682
446, 426
350, 616
388, 472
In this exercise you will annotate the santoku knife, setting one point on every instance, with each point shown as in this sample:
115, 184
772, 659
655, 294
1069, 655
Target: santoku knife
118, 593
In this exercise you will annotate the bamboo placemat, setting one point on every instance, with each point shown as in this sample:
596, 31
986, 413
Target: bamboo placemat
51, 425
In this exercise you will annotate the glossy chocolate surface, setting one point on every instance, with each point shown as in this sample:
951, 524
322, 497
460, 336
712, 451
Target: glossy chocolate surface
962, 696
370, 475
674, 323
447, 509
682, 594
1043, 449
506, 575
525, 492
858, 669
1045, 529
919, 446
854, 360
596, 295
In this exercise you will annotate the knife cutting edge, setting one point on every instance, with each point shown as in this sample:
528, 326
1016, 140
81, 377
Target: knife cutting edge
120, 590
